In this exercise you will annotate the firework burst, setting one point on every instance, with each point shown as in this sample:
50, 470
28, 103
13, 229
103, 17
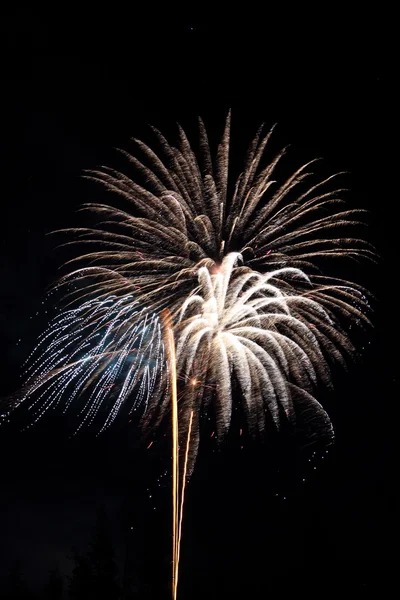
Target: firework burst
237, 264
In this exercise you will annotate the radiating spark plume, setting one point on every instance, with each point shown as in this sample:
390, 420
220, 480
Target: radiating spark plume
244, 267
259, 331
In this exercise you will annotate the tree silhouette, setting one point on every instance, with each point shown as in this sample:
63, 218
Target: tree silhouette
102, 561
55, 585
16, 587
94, 574
80, 582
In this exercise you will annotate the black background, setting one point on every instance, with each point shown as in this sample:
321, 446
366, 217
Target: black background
76, 85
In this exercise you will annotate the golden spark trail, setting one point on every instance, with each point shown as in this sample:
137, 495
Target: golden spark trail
183, 498
169, 334
177, 510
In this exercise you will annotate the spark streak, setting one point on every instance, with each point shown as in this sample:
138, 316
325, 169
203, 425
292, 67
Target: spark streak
183, 498
178, 495
169, 337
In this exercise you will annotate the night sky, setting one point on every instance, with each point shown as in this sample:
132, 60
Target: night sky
77, 85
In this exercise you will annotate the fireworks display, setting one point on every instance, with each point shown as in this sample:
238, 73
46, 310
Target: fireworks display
241, 268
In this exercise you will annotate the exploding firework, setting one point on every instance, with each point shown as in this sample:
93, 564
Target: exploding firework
237, 264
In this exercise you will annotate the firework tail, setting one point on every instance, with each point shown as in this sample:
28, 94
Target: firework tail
182, 499
178, 496
170, 342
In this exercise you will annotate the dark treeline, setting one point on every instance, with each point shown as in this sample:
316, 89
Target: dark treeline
94, 574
